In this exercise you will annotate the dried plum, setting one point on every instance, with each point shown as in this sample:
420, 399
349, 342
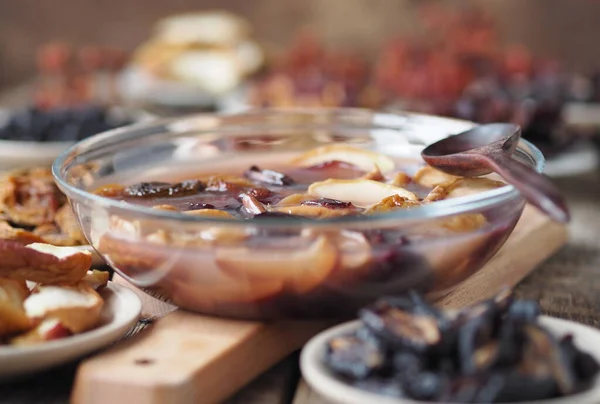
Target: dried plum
427, 386
329, 203
584, 364
353, 357
542, 355
269, 177
402, 328
163, 189
200, 205
494, 351
526, 311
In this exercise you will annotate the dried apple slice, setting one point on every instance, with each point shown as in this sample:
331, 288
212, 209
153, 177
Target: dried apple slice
430, 177
364, 159
43, 263
7, 232
301, 270
294, 199
362, 193
471, 186
216, 213
47, 330
391, 203
401, 179
354, 249
374, 175
12, 315
76, 307
96, 279
209, 289
314, 211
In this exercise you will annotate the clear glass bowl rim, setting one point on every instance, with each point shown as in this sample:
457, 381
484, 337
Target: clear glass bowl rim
439, 209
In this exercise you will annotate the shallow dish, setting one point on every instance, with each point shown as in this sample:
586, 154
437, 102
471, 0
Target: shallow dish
277, 270
22, 154
332, 388
121, 310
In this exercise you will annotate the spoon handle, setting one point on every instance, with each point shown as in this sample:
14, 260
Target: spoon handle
536, 188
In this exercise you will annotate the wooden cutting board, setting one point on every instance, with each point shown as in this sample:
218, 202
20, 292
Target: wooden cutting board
186, 358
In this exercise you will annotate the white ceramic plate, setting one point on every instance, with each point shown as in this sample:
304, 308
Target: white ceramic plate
332, 388
121, 310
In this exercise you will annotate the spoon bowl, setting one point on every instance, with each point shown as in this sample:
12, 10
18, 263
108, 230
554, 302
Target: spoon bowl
489, 148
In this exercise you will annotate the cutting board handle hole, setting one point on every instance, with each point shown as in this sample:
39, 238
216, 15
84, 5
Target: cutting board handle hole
144, 362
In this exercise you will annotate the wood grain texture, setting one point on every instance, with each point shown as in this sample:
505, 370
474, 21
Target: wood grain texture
186, 358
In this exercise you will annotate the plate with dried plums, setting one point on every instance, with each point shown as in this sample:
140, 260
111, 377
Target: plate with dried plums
403, 350
34, 136
54, 307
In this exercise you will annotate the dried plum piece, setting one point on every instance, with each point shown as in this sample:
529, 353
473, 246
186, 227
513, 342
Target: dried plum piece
514, 386
426, 386
401, 328
542, 356
163, 189
329, 203
584, 365
201, 205
269, 177
352, 357
475, 348
389, 387
261, 194
524, 311
407, 365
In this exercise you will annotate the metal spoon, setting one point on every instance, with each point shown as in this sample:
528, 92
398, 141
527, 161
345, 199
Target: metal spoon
488, 148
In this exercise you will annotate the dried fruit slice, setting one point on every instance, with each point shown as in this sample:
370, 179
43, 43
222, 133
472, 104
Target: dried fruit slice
12, 315
96, 279
251, 205
48, 330
313, 211
76, 307
354, 250
43, 263
301, 270
374, 175
211, 288
219, 214
7, 232
391, 203
364, 159
471, 186
430, 177
362, 193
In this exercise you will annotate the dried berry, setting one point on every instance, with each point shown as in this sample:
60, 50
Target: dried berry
269, 177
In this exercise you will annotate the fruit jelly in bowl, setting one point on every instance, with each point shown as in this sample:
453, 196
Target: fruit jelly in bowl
276, 271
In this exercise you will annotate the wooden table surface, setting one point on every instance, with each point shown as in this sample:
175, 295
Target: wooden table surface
567, 286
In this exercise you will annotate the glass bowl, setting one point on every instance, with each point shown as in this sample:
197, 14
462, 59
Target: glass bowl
277, 267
